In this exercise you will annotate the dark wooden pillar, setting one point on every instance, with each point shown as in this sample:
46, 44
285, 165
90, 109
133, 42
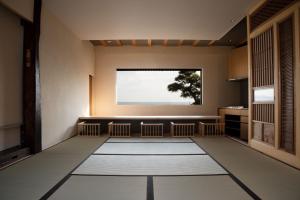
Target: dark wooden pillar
31, 136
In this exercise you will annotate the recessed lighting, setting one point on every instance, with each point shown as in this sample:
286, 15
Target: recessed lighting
109, 41
232, 21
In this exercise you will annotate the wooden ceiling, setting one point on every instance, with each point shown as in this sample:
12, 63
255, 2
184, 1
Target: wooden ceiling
237, 36
150, 43
267, 10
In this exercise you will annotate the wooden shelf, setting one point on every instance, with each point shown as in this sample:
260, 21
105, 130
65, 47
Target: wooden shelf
236, 122
231, 128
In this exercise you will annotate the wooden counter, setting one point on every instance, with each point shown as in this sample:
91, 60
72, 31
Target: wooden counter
236, 122
135, 121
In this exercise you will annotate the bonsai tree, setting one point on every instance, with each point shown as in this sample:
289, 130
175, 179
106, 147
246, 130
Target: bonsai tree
188, 82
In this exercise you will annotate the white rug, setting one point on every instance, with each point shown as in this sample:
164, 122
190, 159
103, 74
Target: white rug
149, 148
149, 165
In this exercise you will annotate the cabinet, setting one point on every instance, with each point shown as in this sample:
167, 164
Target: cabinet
236, 122
238, 63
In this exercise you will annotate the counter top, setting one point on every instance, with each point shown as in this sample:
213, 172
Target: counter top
195, 117
233, 107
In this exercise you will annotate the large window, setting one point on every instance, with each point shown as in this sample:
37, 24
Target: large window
159, 86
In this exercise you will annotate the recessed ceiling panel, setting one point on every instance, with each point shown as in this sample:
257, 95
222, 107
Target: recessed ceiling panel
153, 19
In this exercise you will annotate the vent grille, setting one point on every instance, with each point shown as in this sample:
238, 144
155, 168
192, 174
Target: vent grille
267, 10
286, 50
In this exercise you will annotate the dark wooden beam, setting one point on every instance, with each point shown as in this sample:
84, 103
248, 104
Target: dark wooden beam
119, 43
32, 135
180, 42
95, 42
133, 43
211, 42
103, 42
165, 43
195, 43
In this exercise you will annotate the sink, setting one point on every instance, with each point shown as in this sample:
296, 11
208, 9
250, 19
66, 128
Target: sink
236, 107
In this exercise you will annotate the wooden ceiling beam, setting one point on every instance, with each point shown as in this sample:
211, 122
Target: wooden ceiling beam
195, 43
165, 43
133, 42
149, 43
95, 42
180, 42
211, 42
243, 42
119, 43
103, 43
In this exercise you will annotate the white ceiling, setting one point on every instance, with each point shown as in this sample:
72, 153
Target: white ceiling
149, 19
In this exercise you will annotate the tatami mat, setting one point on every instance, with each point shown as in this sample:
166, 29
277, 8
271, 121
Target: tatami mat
37, 175
102, 187
149, 148
149, 140
33, 177
149, 165
197, 187
267, 177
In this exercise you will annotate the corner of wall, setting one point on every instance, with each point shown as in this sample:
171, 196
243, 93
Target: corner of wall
65, 65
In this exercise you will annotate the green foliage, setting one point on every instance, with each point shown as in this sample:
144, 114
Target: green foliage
189, 83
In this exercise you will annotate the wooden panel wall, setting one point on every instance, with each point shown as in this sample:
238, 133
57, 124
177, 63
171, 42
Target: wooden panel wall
275, 126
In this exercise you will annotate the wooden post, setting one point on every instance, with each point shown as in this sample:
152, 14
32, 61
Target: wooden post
32, 135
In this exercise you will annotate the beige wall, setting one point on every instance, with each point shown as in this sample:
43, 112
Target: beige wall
66, 63
10, 78
216, 90
23, 8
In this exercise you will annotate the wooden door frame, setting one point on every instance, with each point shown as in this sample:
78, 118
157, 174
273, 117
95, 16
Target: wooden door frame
91, 102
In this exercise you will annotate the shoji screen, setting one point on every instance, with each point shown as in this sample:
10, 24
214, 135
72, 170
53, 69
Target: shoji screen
287, 72
263, 86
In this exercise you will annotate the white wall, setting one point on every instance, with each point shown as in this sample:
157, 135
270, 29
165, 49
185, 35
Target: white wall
23, 8
11, 46
65, 63
216, 90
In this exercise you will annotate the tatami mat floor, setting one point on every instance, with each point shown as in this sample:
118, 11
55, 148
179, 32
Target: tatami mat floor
267, 177
102, 187
153, 164
32, 178
48, 175
148, 148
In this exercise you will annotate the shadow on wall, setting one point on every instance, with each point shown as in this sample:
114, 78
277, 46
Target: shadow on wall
9, 138
70, 131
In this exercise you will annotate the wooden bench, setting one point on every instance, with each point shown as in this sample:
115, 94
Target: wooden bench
152, 130
119, 129
211, 129
182, 129
88, 129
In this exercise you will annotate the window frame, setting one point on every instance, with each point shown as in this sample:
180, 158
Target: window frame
160, 69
